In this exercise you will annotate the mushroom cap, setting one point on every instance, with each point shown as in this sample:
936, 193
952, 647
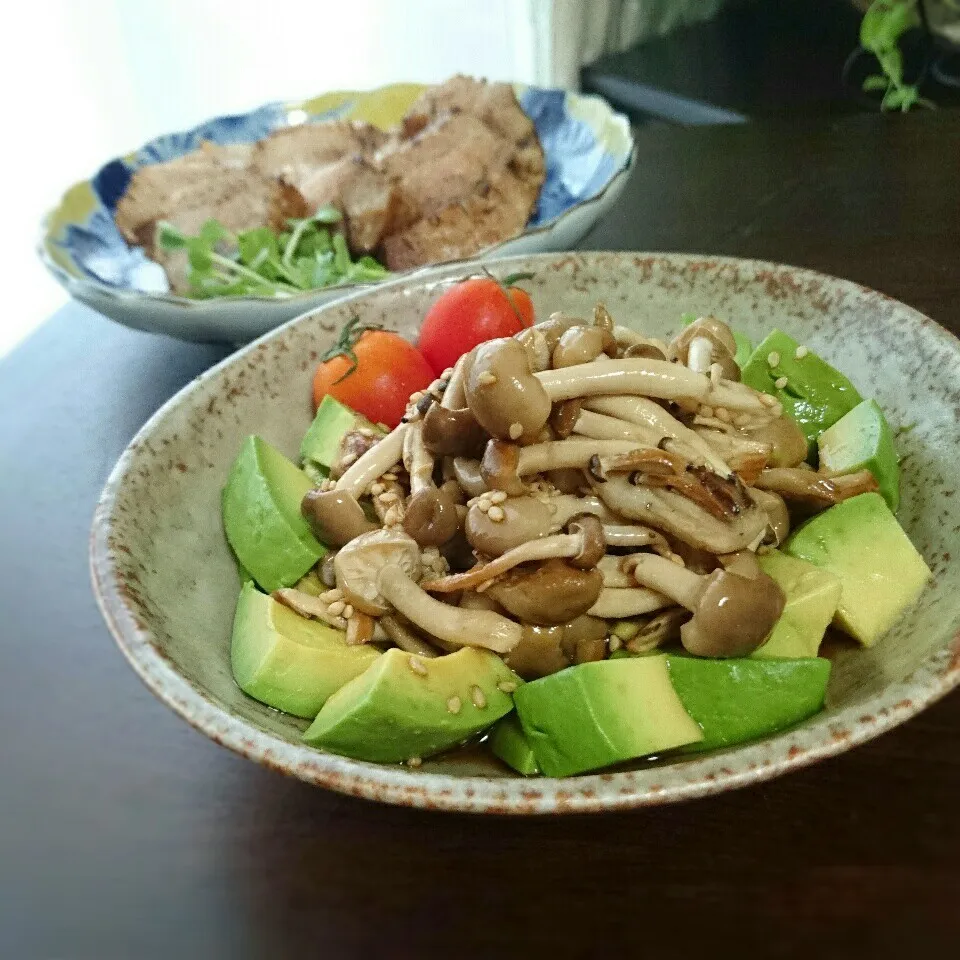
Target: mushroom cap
359, 563
585, 639
775, 507
431, 517
539, 653
537, 346
581, 345
788, 445
502, 391
499, 466
734, 615
467, 472
594, 546
554, 327
564, 416
334, 516
552, 593
719, 334
524, 519
452, 433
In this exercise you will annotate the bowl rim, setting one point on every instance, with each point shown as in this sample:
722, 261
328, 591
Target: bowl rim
72, 284
932, 679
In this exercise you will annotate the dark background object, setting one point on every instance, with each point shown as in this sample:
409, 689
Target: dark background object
126, 834
755, 59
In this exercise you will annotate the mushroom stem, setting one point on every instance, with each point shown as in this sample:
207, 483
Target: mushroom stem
504, 464
613, 575
599, 426
795, 483
630, 535
471, 628
469, 477
742, 399
615, 603
583, 544
374, 463
644, 412
454, 396
666, 577
308, 605
650, 378
681, 517
417, 460
700, 355
405, 638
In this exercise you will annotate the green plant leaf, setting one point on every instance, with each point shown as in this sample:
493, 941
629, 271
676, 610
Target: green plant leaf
328, 214
257, 246
876, 81
212, 232
169, 237
199, 254
892, 63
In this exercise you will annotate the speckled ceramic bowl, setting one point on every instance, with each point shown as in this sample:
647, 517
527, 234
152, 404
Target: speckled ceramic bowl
167, 584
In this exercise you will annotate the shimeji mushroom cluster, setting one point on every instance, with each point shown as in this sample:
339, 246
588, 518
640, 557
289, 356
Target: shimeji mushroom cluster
558, 483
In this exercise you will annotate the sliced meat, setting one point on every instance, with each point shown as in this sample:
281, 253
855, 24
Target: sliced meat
296, 153
445, 162
493, 103
239, 199
494, 212
366, 197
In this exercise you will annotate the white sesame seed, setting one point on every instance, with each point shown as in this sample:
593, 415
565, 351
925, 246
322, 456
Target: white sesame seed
496, 514
390, 477
801, 352
506, 686
328, 485
487, 379
483, 505
767, 400
391, 496
478, 697
331, 595
414, 762
614, 642
447, 374
454, 705
348, 459
418, 666
515, 431
706, 411
780, 382
392, 517
722, 413
498, 496
376, 489
336, 608
415, 398
773, 358
743, 419
347, 612
366, 432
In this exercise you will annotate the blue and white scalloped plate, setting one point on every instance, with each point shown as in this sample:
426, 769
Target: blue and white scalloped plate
589, 151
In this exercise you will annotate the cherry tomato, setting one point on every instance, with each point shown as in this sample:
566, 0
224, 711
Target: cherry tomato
469, 313
377, 379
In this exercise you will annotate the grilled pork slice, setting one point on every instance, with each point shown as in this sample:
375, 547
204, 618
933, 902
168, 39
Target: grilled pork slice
239, 199
297, 153
366, 196
495, 211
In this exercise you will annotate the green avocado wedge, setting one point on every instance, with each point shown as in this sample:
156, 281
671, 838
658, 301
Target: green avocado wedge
597, 714
880, 571
862, 440
261, 516
742, 699
814, 394
406, 706
812, 599
321, 442
508, 742
287, 661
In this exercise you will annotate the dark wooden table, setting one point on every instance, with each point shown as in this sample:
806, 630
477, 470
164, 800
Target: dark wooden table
125, 834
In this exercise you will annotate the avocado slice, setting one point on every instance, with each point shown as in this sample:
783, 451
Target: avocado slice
862, 440
508, 742
406, 706
600, 713
742, 699
881, 573
816, 395
287, 661
320, 444
812, 599
261, 516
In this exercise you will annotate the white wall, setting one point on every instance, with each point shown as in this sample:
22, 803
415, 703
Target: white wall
85, 80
